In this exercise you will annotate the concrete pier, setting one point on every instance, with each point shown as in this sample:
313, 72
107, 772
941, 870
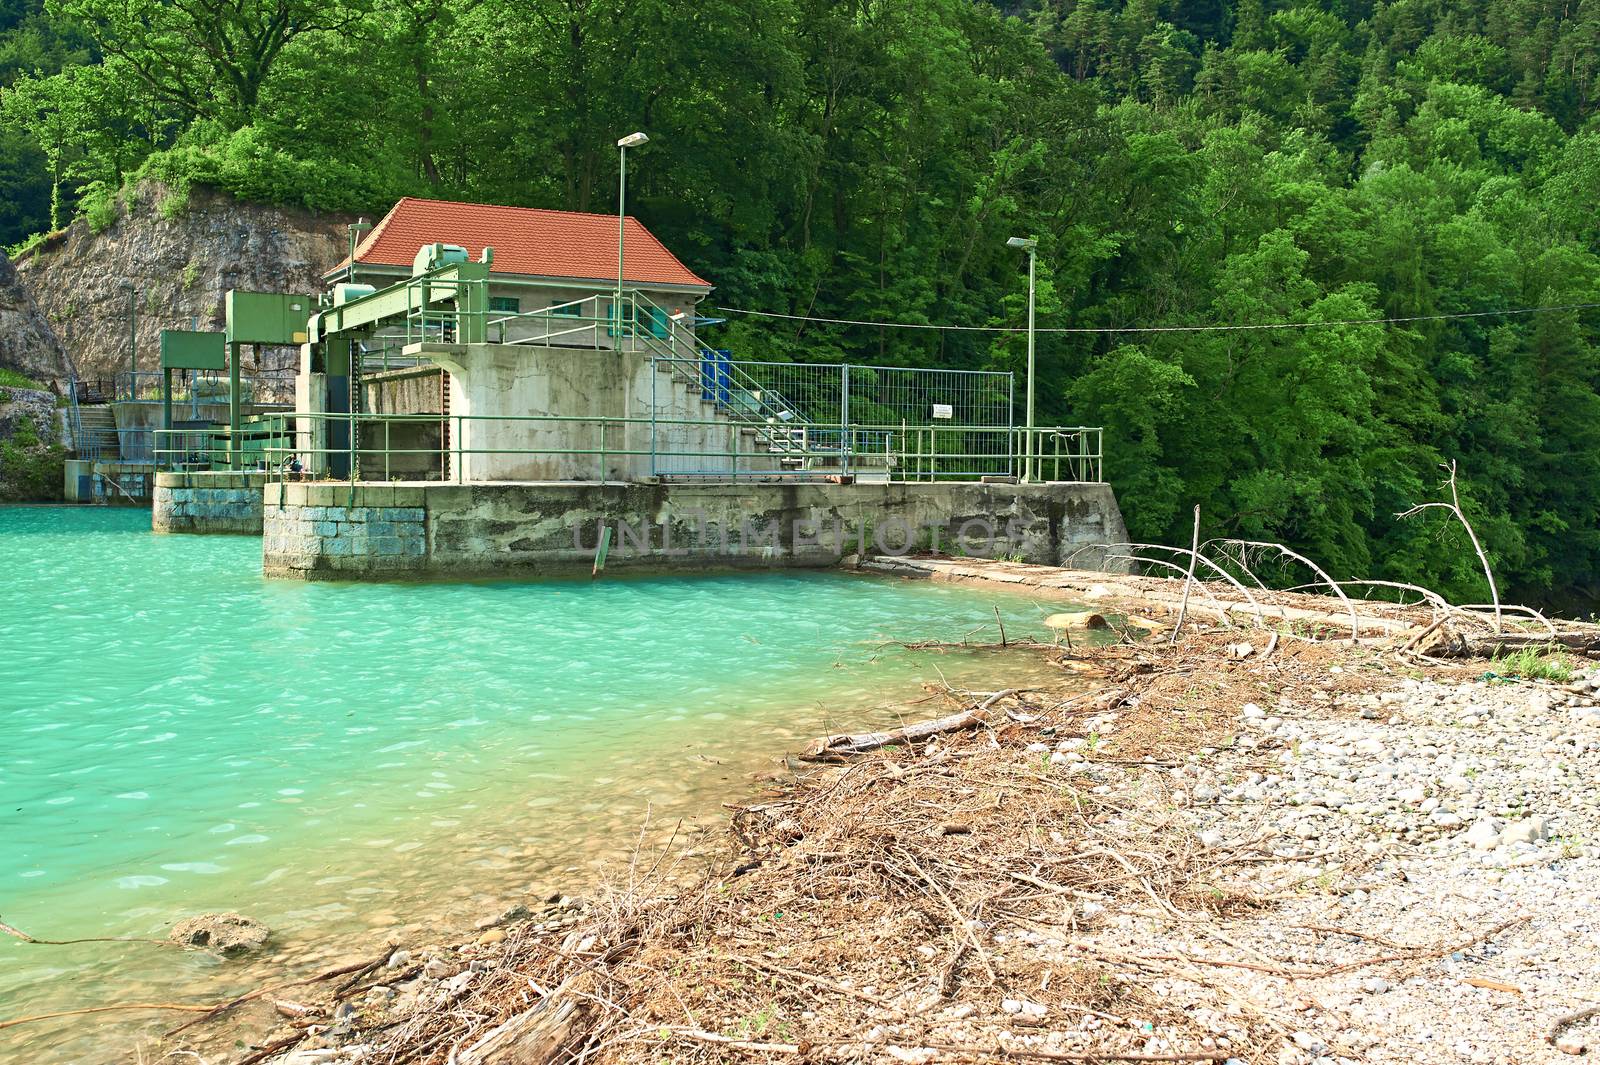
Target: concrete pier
205, 502
423, 530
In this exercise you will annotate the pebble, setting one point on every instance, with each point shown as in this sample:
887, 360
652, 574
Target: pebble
1484, 834
1436, 822
1021, 1007
1308, 1042
1528, 830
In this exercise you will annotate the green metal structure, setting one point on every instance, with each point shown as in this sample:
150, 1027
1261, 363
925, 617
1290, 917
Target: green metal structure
276, 318
188, 349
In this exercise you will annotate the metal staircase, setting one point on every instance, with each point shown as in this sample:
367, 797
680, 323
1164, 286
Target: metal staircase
781, 427
94, 433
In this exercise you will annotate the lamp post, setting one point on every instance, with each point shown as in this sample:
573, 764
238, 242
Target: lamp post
1031, 246
133, 339
632, 140
356, 228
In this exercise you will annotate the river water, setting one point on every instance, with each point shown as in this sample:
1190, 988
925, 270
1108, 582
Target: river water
354, 761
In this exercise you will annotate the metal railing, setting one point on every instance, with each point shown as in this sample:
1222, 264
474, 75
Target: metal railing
467, 448
196, 387
706, 415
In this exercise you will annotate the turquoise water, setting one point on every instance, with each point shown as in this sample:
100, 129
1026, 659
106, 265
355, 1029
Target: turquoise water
355, 760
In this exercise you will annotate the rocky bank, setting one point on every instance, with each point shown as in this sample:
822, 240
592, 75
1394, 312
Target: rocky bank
33, 445
181, 260
27, 343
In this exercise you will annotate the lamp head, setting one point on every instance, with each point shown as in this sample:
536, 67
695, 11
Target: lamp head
633, 140
1027, 243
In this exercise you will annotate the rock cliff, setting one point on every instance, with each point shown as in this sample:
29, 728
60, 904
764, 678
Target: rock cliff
31, 447
27, 343
180, 267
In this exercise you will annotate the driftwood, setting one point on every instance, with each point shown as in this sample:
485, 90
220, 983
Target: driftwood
844, 744
1586, 642
1454, 507
12, 930
541, 1034
1188, 578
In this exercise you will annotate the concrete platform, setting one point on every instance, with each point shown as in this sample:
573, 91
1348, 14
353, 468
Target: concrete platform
331, 531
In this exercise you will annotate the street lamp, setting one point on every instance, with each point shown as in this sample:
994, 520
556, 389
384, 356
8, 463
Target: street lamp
1031, 246
133, 341
632, 140
355, 229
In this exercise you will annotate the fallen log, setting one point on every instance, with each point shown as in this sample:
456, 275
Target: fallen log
845, 744
1585, 643
541, 1034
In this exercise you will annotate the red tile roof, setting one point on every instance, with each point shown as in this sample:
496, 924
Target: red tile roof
525, 240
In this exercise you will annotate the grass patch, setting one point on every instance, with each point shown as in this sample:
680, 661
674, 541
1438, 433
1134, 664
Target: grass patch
13, 379
1533, 663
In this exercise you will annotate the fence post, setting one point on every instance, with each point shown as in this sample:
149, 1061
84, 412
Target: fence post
844, 419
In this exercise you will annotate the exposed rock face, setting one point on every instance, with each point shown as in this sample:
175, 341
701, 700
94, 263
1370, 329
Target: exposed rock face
31, 446
36, 408
27, 343
180, 267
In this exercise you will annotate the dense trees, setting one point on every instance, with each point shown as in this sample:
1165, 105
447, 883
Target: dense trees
1223, 161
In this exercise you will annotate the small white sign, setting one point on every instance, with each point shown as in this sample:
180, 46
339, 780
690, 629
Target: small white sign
944, 410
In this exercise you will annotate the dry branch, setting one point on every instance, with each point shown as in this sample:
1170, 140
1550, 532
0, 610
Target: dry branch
859, 743
1454, 507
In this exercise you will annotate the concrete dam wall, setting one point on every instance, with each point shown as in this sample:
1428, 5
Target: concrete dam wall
422, 530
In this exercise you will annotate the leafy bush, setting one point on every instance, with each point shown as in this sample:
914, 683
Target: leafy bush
31, 468
246, 165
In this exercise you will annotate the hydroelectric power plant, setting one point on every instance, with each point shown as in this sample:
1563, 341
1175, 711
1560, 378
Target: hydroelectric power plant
475, 393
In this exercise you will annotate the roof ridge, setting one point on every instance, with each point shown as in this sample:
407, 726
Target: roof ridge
536, 241
510, 207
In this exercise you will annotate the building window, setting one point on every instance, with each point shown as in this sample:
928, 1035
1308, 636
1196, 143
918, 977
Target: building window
568, 308
613, 327
505, 303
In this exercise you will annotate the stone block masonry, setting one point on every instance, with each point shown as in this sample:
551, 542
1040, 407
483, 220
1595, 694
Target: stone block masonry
312, 531
207, 503
385, 531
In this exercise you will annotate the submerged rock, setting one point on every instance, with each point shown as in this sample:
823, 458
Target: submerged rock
227, 934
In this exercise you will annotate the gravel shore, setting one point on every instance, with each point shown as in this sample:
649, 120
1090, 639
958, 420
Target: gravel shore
1241, 852
1425, 812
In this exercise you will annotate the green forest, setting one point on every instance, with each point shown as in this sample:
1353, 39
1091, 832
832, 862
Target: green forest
1218, 162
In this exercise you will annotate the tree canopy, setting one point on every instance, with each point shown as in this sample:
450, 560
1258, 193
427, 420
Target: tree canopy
1223, 161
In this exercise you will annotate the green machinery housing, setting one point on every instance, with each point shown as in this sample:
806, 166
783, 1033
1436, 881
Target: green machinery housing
447, 298
255, 318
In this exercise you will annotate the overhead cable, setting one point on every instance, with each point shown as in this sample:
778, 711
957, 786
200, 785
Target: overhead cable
1212, 328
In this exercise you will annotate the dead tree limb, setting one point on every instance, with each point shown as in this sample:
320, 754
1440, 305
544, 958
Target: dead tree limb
1355, 620
1454, 507
860, 743
1188, 577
